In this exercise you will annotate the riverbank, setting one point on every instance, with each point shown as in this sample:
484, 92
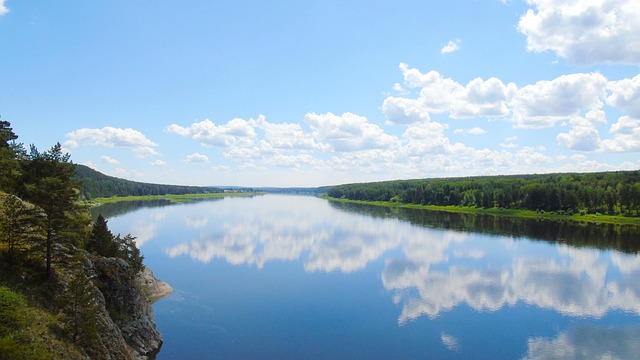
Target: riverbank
172, 198
591, 218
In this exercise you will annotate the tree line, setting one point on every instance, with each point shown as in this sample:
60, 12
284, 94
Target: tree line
616, 192
95, 184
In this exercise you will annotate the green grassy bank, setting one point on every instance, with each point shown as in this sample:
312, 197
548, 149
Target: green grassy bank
593, 218
172, 198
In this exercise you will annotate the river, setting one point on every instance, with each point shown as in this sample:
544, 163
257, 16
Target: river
299, 277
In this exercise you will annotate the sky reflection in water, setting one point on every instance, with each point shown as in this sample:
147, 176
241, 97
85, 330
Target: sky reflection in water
425, 273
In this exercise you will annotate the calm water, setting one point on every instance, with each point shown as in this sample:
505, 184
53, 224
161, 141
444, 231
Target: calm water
300, 277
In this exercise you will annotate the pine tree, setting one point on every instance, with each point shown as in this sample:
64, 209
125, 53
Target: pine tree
82, 308
101, 241
47, 181
10, 153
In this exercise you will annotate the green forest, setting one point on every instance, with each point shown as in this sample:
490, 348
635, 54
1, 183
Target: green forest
47, 238
94, 184
612, 193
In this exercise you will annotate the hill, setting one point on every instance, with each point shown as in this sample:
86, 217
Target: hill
98, 185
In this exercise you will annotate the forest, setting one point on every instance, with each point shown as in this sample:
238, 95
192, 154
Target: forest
94, 184
613, 193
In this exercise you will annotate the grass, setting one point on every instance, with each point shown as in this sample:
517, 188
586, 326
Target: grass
28, 332
172, 198
593, 218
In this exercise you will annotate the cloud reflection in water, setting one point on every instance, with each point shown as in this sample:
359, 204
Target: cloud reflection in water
426, 271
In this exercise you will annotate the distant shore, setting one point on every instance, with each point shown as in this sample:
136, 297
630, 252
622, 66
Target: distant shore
170, 197
528, 214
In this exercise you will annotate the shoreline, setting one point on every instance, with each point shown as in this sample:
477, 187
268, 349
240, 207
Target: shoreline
523, 214
171, 197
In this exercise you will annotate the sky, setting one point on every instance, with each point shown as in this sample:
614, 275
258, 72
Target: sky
313, 93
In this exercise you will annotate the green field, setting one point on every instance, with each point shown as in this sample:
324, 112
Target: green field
173, 198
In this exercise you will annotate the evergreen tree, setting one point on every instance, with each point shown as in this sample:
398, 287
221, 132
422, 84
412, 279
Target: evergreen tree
10, 153
47, 181
130, 252
101, 241
82, 308
18, 226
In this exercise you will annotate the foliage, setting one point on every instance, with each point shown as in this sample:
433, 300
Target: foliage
98, 185
14, 319
606, 193
10, 153
47, 182
82, 308
18, 227
103, 243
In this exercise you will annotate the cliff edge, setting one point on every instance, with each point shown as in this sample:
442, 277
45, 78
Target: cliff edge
120, 300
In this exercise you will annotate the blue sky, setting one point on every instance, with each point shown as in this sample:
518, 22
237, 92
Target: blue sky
310, 93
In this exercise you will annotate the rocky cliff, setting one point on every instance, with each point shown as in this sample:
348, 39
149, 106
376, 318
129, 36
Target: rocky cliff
120, 300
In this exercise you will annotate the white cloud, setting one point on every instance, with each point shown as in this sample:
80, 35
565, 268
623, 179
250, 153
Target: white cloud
509, 142
403, 111
112, 137
237, 132
472, 131
479, 98
292, 161
626, 135
109, 160
584, 32
545, 103
159, 163
450, 342
452, 46
3, 8
427, 138
285, 136
348, 132
196, 158
583, 138
625, 94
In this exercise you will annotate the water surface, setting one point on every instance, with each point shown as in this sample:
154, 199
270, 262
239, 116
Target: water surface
280, 276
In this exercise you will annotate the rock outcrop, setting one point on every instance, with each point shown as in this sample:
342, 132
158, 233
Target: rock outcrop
122, 301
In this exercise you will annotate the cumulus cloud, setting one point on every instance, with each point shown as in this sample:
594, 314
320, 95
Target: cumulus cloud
286, 136
545, 103
582, 138
109, 160
196, 158
584, 32
112, 137
479, 98
159, 163
236, 132
427, 138
3, 8
452, 46
348, 132
626, 135
577, 100
625, 94
539, 105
